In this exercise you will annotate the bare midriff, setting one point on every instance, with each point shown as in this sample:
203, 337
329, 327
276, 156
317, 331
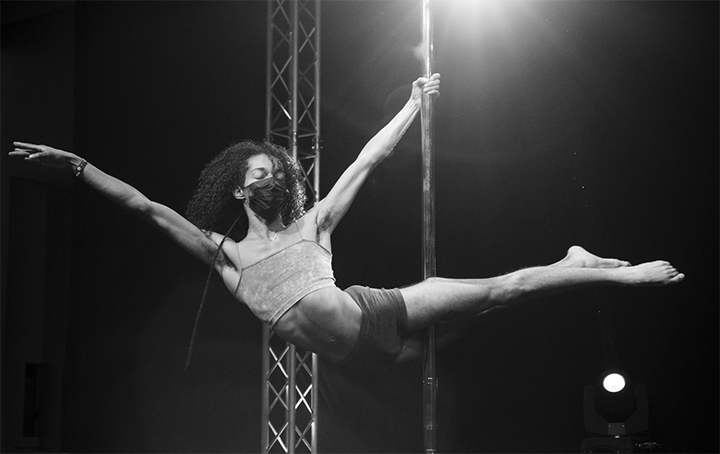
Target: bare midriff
326, 321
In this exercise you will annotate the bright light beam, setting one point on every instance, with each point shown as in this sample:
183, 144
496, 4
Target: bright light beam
613, 383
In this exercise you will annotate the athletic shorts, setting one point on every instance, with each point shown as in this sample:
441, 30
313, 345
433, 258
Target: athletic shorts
382, 329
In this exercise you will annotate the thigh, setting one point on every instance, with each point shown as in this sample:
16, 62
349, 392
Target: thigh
446, 332
439, 299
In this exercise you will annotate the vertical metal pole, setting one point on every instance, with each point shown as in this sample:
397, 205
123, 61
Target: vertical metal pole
316, 186
295, 36
315, 401
265, 409
291, 398
268, 72
291, 359
428, 233
316, 138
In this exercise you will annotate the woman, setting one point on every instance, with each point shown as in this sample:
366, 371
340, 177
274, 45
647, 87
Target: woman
277, 259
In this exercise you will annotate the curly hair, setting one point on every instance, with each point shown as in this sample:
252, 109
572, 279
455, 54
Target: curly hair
213, 206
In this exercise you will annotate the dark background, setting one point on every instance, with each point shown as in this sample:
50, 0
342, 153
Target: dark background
559, 123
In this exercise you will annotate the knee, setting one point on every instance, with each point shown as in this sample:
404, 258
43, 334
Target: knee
412, 349
434, 281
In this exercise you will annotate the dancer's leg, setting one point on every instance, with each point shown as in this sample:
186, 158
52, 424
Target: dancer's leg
438, 299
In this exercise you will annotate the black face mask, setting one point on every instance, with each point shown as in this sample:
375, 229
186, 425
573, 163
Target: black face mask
268, 198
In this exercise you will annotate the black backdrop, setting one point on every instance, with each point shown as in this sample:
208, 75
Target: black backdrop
560, 123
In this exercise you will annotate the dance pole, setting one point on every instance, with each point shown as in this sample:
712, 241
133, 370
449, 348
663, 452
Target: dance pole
428, 234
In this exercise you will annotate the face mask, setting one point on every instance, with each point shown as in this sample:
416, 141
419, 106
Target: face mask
268, 198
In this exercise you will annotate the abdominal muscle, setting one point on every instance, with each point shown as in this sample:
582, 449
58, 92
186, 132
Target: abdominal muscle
326, 322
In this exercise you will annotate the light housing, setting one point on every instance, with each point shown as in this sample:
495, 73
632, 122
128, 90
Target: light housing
615, 405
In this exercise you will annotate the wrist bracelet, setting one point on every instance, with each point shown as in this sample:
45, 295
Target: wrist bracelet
80, 167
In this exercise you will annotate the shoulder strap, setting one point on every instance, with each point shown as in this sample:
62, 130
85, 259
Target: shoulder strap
297, 227
241, 270
237, 245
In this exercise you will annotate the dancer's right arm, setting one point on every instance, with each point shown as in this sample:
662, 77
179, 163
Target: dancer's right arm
179, 229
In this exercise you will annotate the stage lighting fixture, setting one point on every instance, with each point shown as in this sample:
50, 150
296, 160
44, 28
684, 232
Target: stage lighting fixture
613, 382
615, 405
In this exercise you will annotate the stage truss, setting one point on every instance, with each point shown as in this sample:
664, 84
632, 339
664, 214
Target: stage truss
289, 405
290, 376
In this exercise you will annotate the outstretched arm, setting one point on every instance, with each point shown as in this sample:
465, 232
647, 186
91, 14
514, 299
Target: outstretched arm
182, 231
333, 207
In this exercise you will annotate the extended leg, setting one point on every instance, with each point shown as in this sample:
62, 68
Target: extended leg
439, 299
443, 301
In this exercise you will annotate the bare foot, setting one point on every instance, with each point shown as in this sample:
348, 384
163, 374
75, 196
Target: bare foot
578, 257
650, 273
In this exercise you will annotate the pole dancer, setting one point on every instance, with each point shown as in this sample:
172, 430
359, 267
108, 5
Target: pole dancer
246, 222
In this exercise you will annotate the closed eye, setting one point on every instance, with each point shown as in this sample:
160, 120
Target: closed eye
259, 174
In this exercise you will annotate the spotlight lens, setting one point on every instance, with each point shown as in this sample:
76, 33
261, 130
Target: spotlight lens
614, 383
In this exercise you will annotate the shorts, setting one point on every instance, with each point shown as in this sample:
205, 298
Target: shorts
382, 329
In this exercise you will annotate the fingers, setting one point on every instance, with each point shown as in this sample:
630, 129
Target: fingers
27, 156
431, 86
26, 150
435, 78
425, 86
22, 147
28, 146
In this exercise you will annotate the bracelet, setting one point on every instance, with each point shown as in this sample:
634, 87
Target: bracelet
80, 167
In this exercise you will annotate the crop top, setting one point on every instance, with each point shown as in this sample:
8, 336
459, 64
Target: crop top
271, 286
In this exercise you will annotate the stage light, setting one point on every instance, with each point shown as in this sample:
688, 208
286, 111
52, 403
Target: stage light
615, 407
613, 382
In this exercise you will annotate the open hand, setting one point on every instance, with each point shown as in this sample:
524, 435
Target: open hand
42, 154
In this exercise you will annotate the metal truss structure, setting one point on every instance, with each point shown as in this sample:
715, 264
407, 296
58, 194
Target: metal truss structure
289, 406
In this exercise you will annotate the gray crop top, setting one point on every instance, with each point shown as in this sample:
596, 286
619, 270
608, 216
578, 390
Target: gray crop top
271, 286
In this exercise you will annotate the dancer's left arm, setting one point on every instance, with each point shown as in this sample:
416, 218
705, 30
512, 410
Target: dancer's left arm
333, 207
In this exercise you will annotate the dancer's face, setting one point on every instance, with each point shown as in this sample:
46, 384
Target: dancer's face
260, 167
264, 191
